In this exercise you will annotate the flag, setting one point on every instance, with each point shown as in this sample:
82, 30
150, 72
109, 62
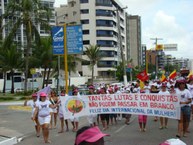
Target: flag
190, 74
159, 47
173, 75
163, 78
143, 76
141, 84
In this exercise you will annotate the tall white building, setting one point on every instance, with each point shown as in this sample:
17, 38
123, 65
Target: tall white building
19, 37
99, 19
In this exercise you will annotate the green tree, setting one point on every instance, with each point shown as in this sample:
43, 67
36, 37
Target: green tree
10, 60
44, 58
26, 13
94, 55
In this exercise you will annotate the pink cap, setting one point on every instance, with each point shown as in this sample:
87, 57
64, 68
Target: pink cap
75, 91
42, 94
91, 87
91, 135
34, 95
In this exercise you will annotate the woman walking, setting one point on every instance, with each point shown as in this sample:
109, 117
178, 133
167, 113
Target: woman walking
185, 102
33, 103
43, 111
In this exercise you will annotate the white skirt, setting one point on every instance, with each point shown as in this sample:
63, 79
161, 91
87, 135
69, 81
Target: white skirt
44, 120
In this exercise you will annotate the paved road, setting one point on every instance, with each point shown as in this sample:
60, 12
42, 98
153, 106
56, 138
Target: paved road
18, 123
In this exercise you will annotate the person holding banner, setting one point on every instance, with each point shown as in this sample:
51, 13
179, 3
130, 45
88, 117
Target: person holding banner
33, 103
163, 120
53, 112
75, 120
104, 117
92, 118
154, 89
61, 115
185, 102
42, 109
142, 119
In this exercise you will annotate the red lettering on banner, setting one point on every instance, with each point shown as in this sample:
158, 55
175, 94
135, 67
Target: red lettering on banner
94, 98
107, 104
127, 104
106, 97
123, 97
93, 104
162, 105
171, 98
143, 104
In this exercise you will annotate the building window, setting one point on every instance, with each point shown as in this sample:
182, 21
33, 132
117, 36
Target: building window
105, 43
85, 62
107, 23
104, 3
83, 1
85, 32
104, 33
106, 64
106, 13
86, 42
84, 11
86, 21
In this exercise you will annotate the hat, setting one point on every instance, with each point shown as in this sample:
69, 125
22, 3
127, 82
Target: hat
181, 80
34, 95
75, 91
42, 94
90, 135
91, 87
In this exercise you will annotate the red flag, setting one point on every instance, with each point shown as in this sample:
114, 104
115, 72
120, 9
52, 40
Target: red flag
143, 76
163, 78
173, 75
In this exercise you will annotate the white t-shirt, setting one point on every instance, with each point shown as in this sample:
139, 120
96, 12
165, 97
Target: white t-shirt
44, 109
147, 89
184, 96
32, 104
164, 92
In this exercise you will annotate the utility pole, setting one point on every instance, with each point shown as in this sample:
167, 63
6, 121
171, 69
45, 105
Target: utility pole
156, 55
121, 46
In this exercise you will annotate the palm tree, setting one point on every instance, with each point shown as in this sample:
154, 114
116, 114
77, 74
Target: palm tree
44, 58
26, 13
10, 60
94, 55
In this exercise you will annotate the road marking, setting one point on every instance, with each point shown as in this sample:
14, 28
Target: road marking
122, 127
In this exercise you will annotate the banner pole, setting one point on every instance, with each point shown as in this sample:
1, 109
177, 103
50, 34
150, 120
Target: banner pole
65, 60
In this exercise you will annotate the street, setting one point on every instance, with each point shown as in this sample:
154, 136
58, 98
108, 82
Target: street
17, 123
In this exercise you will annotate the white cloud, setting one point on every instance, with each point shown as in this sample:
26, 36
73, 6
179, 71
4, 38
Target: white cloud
165, 26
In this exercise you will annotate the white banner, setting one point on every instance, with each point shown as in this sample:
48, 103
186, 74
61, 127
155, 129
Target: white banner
144, 104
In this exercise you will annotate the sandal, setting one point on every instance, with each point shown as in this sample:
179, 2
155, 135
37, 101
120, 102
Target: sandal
178, 136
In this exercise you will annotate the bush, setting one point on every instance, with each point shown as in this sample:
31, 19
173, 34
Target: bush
7, 98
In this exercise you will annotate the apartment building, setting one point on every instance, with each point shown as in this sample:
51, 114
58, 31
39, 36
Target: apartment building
135, 50
99, 19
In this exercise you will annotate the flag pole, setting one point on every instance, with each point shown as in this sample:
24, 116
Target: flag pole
65, 60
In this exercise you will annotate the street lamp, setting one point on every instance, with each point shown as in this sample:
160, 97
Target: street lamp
156, 56
121, 46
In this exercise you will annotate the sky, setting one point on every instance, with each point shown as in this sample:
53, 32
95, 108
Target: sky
170, 20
